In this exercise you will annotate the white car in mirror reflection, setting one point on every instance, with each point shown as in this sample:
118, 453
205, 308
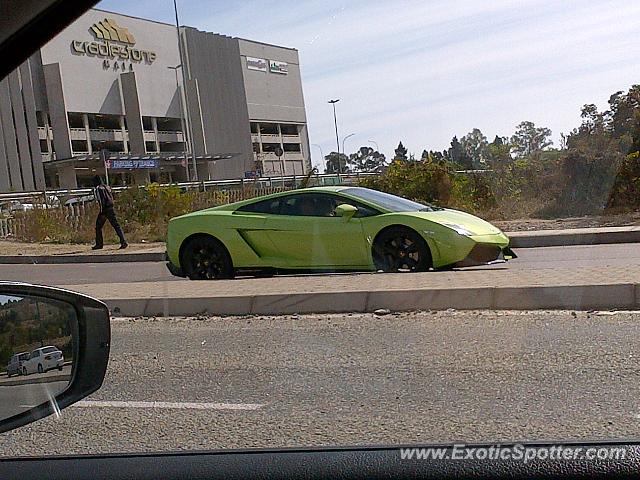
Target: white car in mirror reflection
14, 367
42, 360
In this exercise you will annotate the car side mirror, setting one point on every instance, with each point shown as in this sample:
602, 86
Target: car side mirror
54, 349
346, 211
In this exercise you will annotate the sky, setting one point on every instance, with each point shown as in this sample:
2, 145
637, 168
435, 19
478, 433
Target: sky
422, 71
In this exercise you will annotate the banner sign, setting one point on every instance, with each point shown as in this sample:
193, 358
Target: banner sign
278, 67
131, 164
259, 64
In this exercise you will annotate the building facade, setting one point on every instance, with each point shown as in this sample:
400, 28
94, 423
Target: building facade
109, 96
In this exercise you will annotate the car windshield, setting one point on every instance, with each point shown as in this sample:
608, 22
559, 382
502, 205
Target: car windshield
188, 164
387, 201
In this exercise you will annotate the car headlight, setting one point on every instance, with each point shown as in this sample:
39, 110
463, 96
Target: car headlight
459, 229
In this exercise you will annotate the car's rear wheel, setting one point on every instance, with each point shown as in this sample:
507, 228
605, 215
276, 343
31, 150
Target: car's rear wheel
40, 369
24, 371
205, 258
400, 249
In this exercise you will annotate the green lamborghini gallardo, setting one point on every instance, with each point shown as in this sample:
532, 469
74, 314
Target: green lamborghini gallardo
329, 229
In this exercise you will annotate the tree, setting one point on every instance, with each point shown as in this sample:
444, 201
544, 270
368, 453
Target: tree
498, 152
336, 163
400, 153
366, 159
528, 139
474, 144
458, 155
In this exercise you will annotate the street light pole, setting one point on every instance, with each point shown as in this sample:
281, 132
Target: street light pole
182, 120
186, 99
335, 122
376, 144
344, 140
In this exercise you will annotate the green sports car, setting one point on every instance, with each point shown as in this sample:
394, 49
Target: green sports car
329, 229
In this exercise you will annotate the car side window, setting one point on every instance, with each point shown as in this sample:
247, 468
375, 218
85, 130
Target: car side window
270, 206
35, 354
363, 210
309, 205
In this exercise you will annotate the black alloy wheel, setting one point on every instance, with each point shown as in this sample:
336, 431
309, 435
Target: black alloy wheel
400, 249
205, 258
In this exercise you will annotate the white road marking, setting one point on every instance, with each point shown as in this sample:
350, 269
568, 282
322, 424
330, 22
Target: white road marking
168, 405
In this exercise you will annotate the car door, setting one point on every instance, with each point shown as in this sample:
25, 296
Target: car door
30, 363
306, 234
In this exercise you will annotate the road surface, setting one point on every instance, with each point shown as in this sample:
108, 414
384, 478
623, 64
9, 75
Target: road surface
183, 384
529, 258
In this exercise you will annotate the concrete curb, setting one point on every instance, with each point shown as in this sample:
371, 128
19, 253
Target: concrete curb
582, 236
68, 259
540, 238
579, 297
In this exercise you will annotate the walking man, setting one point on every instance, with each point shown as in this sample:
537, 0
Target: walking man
104, 197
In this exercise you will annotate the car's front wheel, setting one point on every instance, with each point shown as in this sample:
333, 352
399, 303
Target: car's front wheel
40, 369
205, 258
401, 249
24, 371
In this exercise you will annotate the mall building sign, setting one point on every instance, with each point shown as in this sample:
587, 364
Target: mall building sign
112, 42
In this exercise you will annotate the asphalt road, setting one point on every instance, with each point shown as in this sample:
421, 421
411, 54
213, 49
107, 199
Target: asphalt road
529, 258
16, 399
354, 379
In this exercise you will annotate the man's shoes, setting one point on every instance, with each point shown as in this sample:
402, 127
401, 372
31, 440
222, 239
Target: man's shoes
123, 246
96, 247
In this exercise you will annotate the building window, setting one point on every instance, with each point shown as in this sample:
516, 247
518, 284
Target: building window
79, 146
41, 118
75, 120
104, 122
292, 147
269, 129
147, 123
44, 148
171, 147
150, 146
256, 147
169, 125
112, 146
289, 129
270, 147
254, 127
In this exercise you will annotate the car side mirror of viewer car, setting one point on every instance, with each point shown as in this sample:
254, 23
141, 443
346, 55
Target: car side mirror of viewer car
346, 211
54, 349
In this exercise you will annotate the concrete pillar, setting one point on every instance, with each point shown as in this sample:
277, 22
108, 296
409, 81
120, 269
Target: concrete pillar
154, 124
22, 135
28, 96
125, 135
10, 141
305, 148
131, 109
194, 119
57, 110
87, 131
5, 185
67, 177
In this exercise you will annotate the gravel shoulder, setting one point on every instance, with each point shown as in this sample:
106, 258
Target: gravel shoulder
595, 221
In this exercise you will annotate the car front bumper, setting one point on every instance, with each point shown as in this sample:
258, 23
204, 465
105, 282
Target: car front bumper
486, 254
